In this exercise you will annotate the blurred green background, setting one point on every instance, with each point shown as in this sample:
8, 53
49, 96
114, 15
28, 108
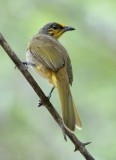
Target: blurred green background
30, 133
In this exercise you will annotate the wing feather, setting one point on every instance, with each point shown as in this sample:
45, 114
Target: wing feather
50, 53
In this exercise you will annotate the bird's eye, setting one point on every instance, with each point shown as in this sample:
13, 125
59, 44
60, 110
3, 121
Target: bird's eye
55, 26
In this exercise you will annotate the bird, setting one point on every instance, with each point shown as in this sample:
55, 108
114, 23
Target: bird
51, 60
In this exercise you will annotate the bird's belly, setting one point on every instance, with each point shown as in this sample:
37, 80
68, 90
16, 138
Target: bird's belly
36, 66
46, 73
40, 69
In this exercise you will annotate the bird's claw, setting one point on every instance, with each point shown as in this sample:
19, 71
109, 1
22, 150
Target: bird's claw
48, 98
25, 64
41, 103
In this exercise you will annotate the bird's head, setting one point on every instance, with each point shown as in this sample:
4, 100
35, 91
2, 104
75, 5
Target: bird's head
55, 29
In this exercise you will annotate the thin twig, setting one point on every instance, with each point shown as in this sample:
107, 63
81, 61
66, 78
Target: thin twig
78, 144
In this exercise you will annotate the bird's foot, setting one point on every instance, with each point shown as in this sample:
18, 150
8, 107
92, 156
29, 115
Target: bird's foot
49, 96
28, 64
23, 66
41, 103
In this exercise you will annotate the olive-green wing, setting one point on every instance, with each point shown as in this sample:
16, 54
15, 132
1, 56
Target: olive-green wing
46, 53
69, 70
50, 53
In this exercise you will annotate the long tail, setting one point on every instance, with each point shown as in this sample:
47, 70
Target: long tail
69, 112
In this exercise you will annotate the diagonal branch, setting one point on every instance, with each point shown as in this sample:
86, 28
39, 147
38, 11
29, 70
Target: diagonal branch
78, 144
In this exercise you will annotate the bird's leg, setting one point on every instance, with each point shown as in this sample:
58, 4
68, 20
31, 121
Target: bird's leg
49, 96
28, 64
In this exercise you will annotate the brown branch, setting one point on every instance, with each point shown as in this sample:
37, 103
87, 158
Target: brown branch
78, 144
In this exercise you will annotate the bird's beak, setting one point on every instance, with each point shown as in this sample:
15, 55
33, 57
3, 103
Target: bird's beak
68, 28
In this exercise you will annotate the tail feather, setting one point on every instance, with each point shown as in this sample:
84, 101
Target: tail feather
77, 119
69, 112
66, 104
